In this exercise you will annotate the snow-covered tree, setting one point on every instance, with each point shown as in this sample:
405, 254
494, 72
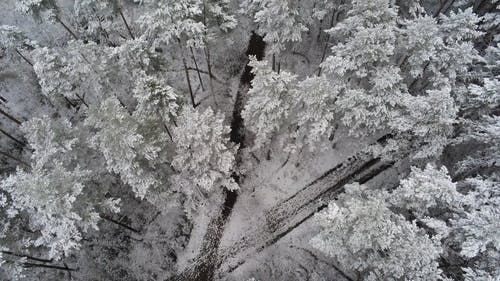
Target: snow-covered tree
61, 74
156, 99
371, 88
13, 39
127, 152
366, 237
477, 230
485, 134
53, 195
205, 158
428, 192
37, 7
47, 196
100, 19
315, 112
270, 101
279, 22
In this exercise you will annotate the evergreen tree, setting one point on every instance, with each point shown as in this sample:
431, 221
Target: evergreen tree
271, 99
204, 158
365, 236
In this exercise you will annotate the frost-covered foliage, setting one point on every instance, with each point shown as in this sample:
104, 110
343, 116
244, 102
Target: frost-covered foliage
426, 192
365, 236
100, 19
37, 8
47, 197
156, 99
483, 133
356, 226
279, 22
126, 151
478, 229
115, 128
12, 38
62, 72
52, 194
394, 77
315, 112
205, 158
190, 22
271, 99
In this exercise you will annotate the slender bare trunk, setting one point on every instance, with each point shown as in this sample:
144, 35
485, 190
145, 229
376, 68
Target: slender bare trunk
82, 100
168, 132
15, 158
196, 68
209, 66
27, 256
12, 118
188, 82
58, 267
22, 143
108, 218
66, 27
24, 58
126, 23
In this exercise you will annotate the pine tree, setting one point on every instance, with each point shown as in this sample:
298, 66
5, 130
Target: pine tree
279, 22
365, 236
13, 39
315, 113
100, 18
271, 99
53, 195
127, 152
204, 158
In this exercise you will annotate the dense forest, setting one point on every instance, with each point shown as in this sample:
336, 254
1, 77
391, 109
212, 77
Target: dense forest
249, 140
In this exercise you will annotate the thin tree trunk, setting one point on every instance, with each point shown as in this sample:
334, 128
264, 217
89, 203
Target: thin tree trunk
207, 56
82, 100
197, 68
210, 74
66, 268
23, 57
126, 23
26, 256
120, 224
68, 101
274, 62
12, 118
66, 27
15, 158
22, 143
188, 82
168, 132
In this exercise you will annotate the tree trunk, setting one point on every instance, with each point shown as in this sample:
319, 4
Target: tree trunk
12, 118
26, 256
126, 23
23, 57
15, 158
22, 143
209, 66
82, 100
196, 68
188, 82
58, 267
66, 27
108, 218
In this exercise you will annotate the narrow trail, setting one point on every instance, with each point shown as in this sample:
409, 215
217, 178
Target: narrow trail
207, 262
